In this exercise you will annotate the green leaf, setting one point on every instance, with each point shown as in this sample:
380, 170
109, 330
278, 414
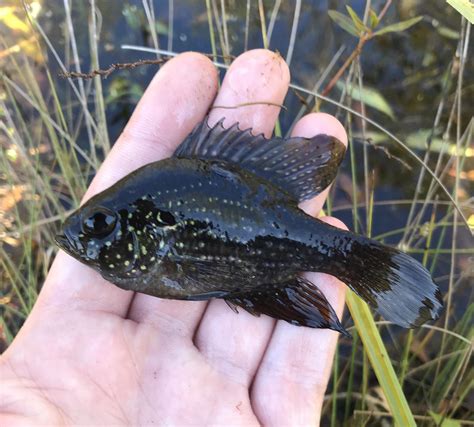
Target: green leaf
444, 422
161, 28
380, 361
464, 7
374, 19
370, 97
356, 20
399, 26
344, 22
447, 32
374, 136
133, 16
418, 140
121, 89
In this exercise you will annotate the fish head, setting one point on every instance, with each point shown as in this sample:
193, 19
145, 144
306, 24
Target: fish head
118, 238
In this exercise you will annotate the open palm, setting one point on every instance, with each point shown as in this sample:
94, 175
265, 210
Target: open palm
91, 353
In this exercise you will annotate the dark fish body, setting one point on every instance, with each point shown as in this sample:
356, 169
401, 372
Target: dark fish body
221, 219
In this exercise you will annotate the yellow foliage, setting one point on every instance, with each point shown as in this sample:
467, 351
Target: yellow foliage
9, 18
20, 38
470, 222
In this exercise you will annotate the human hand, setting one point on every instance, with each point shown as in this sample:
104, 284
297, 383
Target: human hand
91, 353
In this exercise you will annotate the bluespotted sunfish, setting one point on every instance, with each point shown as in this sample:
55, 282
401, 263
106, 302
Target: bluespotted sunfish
220, 219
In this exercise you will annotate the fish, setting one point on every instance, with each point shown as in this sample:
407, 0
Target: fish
220, 219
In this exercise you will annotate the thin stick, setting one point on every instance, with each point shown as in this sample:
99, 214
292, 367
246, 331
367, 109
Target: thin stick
113, 67
126, 66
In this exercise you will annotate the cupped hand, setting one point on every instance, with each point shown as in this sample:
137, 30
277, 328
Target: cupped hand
91, 353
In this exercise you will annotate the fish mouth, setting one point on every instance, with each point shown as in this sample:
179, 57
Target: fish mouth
63, 242
66, 244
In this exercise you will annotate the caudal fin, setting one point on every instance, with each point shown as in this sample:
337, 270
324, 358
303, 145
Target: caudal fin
394, 283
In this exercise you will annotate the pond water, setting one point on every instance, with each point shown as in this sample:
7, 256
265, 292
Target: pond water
405, 77
407, 70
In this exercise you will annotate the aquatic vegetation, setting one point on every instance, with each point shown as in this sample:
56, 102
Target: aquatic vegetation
54, 133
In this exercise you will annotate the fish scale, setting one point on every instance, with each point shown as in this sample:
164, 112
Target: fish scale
220, 219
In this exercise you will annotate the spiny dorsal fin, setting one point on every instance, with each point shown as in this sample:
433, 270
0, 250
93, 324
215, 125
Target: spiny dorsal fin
302, 166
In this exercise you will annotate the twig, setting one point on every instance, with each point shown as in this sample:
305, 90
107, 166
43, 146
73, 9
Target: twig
385, 150
355, 53
301, 98
113, 67
126, 66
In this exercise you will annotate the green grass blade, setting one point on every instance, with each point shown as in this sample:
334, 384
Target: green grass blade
212, 36
350, 382
464, 7
380, 360
335, 376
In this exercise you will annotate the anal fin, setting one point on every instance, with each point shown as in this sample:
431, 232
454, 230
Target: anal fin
298, 302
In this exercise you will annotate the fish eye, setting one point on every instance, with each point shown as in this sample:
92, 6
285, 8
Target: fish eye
100, 221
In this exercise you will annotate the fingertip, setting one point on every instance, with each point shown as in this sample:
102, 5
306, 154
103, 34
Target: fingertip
264, 58
334, 222
185, 85
317, 123
253, 88
178, 97
197, 61
314, 124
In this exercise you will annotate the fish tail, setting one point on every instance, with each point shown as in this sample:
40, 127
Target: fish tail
399, 287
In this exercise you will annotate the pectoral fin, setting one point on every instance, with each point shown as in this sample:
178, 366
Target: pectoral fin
298, 301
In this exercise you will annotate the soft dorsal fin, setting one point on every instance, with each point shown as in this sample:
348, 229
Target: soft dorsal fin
302, 166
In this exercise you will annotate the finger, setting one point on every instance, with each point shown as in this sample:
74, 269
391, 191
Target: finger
292, 377
310, 125
223, 337
177, 98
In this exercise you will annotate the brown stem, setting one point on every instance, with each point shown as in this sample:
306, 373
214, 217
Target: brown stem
118, 66
355, 53
126, 66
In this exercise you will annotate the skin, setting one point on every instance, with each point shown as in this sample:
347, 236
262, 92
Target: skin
91, 353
